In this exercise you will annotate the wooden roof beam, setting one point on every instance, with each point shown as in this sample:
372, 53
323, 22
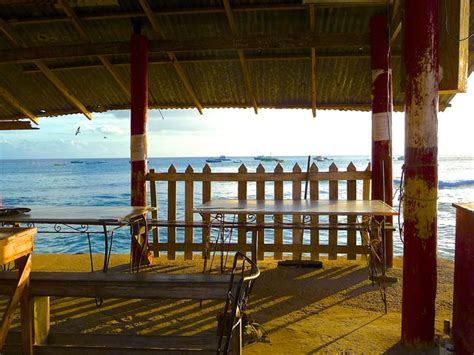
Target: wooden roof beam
243, 63
62, 88
210, 59
12, 39
8, 97
177, 66
81, 29
192, 11
312, 23
326, 41
14, 125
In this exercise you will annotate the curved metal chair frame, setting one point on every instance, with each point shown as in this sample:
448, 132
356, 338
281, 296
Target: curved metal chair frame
237, 298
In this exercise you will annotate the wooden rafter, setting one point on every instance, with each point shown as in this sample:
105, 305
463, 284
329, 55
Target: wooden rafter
312, 22
326, 41
11, 37
396, 21
171, 55
79, 25
243, 63
14, 125
191, 11
8, 97
211, 59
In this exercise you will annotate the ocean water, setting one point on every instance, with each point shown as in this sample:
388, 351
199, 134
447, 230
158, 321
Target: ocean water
103, 182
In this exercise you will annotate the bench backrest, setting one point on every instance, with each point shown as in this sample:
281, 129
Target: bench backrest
176, 193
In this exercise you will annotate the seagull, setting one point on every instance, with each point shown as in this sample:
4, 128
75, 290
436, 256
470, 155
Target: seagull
78, 130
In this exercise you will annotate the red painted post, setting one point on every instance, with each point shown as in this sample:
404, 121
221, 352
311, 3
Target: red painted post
463, 298
382, 104
421, 172
138, 128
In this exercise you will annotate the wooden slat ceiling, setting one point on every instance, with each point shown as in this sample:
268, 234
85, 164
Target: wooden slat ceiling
72, 56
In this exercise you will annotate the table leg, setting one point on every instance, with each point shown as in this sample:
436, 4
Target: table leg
106, 248
255, 245
26, 322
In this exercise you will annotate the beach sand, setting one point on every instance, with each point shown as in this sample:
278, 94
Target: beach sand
335, 309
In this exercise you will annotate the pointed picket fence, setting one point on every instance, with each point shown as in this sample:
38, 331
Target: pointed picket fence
167, 202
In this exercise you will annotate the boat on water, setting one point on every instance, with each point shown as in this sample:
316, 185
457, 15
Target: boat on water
224, 158
237, 161
322, 158
214, 160
76, 162
268, 158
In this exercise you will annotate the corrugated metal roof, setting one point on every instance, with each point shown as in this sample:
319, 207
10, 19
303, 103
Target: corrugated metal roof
280, 78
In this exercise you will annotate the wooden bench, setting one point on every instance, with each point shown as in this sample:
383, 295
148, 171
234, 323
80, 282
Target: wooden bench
114, 285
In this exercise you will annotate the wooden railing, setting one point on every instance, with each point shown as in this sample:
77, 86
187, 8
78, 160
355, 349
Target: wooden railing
196, 187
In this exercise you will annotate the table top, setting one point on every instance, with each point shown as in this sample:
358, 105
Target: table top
298, 207
99, 215
467, 207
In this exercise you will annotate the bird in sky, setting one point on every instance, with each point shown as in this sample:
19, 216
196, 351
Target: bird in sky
78, 130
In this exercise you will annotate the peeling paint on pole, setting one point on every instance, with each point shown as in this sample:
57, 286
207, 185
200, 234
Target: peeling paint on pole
421, 173
382, 106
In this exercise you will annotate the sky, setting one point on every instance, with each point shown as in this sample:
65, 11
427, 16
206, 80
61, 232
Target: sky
231, 132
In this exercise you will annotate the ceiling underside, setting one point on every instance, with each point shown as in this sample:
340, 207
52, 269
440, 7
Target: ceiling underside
70, 56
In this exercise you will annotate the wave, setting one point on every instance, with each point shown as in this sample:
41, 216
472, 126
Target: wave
446, 184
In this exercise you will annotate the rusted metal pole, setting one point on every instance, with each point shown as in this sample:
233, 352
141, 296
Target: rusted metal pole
463, 297
382, 106
421, 172
138, 127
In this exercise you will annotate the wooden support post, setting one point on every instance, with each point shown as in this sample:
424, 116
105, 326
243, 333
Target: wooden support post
382, 102
421, 172
41, 313
138, 137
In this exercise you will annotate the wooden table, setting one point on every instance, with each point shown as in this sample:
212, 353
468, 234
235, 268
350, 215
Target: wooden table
16, 244
78, 219
370, 208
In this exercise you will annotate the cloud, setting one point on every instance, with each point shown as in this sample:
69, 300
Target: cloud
110, 130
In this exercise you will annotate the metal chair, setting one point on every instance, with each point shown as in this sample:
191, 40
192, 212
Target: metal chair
237, 299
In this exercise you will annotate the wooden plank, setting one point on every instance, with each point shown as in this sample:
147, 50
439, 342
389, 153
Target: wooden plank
8, 97
366, 184
243, 63
329, 41
121, 285
188, 211
171, 212
15, 243
242, 195
296, 195
26, 307
284, 176
62, 88
260, 194
453, 34
312, 22
333, 195
206, 197
314, 233
18, 285
351, 234
180, 10
154, 214
15, 125
278, 218
268, 248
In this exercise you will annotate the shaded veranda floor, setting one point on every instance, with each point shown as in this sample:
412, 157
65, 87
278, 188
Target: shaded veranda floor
305, 311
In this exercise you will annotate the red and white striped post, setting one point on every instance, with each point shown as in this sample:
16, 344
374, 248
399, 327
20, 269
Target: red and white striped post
421, 172
138, 131
382, 105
